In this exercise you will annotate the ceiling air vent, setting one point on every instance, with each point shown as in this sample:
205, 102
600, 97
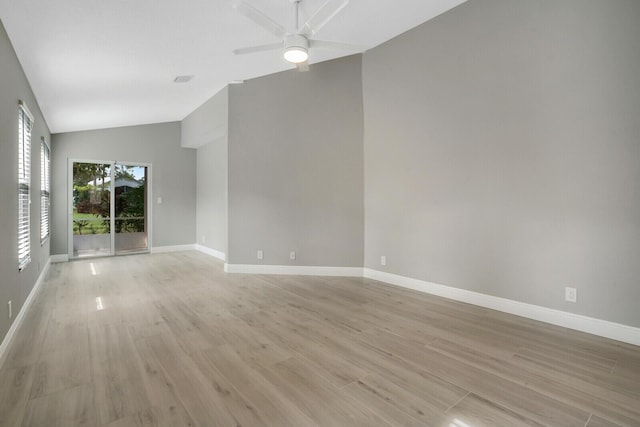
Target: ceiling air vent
182, 79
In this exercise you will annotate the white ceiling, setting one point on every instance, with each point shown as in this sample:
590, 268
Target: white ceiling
106, 63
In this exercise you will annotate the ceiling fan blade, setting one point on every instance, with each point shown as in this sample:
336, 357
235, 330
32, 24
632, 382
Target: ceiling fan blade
261, 48
330, 9
347, 47
303, 66
260, 18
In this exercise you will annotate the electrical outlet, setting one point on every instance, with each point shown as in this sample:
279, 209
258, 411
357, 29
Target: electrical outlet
10, 309
570, 294
203, 239
292, 255
260, 255
383, 260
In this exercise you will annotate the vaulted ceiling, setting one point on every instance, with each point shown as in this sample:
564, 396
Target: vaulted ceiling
97, 64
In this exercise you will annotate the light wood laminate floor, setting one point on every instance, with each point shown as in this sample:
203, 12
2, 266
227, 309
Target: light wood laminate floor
171, 340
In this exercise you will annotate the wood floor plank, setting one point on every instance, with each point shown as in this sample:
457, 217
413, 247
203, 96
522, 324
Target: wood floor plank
65, 360
248, 340
514, 396
574, 392
18, 382
388, 410
162, 394
146, 418
202, 400
117, 379
287, 332
250, 383
71, 407
243, 410
143, 320
572, 361
424, 405
313, 394
476, 411
189, 329
582, 374
596, 421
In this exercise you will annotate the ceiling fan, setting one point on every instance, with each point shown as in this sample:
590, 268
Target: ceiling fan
296, 44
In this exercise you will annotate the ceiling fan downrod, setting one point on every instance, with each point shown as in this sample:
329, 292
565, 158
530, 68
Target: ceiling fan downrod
296, 16
296, 45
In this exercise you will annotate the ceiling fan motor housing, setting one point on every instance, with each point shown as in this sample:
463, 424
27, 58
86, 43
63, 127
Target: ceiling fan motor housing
296, 48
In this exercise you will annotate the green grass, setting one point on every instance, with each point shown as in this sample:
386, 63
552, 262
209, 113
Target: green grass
77, 215
91, 224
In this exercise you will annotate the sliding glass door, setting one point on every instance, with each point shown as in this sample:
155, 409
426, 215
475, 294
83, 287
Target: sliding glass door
91, 209
130, 187
108, 209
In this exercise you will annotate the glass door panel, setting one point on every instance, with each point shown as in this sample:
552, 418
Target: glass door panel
91, 213
130, 189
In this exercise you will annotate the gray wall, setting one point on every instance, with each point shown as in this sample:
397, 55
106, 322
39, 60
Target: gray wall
296, 167
212, 162
211, 206
502, 153
14, 285
173, 176
208, 123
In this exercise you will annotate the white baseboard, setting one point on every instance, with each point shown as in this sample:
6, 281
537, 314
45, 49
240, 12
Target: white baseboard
603, 328
299, 270
175, 248
211, 252
20, 316
59, 258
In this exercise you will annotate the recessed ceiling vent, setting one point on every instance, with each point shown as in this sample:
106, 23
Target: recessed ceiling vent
182, 79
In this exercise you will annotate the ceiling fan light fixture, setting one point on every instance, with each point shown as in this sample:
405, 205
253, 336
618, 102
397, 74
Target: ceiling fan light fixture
296, 49
296, 55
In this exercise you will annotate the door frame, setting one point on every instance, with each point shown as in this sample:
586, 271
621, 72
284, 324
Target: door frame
112, 164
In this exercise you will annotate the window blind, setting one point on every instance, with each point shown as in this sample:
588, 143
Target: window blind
45, 185
25, 125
